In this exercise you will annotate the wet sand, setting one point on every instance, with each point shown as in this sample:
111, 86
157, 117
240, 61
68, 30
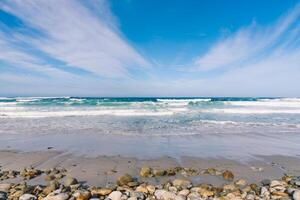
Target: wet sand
104, 170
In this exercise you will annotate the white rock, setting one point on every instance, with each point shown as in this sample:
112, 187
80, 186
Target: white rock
115, 195
27, 197
132, 198
180, 197
164, 195
184, 192
60, 196
296, 195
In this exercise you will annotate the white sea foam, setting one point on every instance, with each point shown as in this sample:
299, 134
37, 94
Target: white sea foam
131, 112
251, 111
287, 104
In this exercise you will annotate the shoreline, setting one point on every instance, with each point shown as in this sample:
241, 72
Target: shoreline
104, 173
98, 170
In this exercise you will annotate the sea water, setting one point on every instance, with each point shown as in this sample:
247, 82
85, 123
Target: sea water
181, 125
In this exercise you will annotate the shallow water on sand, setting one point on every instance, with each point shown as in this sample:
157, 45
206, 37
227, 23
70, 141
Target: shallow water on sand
150, 127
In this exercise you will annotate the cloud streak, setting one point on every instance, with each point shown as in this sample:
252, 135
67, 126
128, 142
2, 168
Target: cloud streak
77, 36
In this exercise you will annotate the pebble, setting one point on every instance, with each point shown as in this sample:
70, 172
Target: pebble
151, 189
159, 172
27, 197
228, 175
101, 191
164, 195
3, 195
59, 196
115, 195
4, 187
70, 181
296, 195
182, 183
124, 180
145, 172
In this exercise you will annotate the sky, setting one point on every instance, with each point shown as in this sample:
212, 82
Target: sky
150, 48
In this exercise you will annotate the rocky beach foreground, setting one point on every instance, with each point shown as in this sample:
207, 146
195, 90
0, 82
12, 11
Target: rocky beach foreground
54, 175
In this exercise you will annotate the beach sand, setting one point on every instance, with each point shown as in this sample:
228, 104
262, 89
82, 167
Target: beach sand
104, 170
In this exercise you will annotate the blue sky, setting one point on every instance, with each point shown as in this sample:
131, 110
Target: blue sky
149, 48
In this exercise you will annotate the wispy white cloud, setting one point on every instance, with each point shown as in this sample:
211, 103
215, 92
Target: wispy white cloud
251, 43
76, 35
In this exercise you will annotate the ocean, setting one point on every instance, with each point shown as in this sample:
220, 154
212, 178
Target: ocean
169, 125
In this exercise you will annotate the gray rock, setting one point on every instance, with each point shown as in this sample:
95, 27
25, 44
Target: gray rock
3, 195
265, 182
70, 181
27, 197
115, 195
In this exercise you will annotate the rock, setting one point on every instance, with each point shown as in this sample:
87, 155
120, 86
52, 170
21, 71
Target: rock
180, 197
264, 193
280, 194
265, 182
3, 195
124, 180
133, 184
205, 193
70, 181
145, 172
184, 192
142, 189
132, 198
4, 187
27, 197
101, 191
164, 195
241, 182
49, 177
250, 197
171, 172
229, 187
228, 175
182, 183
138, 195
296, 195
211, 171
55, 196
151, 189
159, 172
82, 195
115, 195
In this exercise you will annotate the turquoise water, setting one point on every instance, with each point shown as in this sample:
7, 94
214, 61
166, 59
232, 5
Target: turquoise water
164, 126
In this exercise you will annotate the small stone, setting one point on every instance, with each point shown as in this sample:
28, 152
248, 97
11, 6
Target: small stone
241, 182
229, 187
142, 189
82, 195
228, 175
265, 182
211, 171
296, 195
159, 172
27, 197
101, 191
124, 180
182, 183
145, 172
184, 192
133, 184
4, 187
61, 196
151, 189
281, 194
49, 177
70, 181
3, 195
115, 195
205, 193
171, 172
164, 195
